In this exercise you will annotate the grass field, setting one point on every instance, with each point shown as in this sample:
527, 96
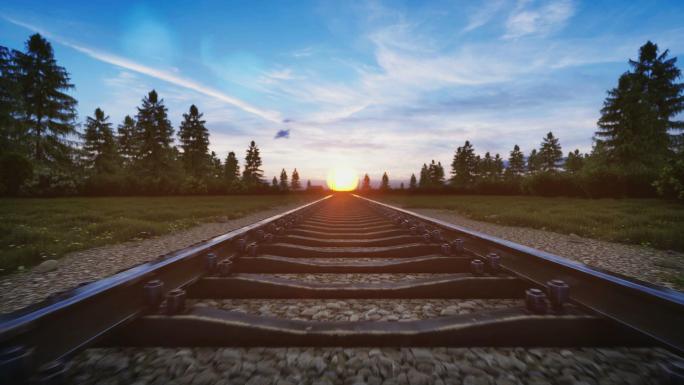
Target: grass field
649, 222
32, 230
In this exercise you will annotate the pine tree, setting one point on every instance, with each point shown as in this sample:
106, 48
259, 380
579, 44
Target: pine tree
127, 138
274, 183
252, 174
435, 174
401, 186
231, 170
48, 113
308, 184
413, 184
516, 163
463, 167
498, 167
365, 184
533, 161
487, 166
384, 185
424, 180
295, 185
11, 134
216, 169
550, 153
284, 186
574, 162
194, 138
155, 138
636, 127
100, 145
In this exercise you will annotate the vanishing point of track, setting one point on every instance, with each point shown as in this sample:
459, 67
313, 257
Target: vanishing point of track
562, 303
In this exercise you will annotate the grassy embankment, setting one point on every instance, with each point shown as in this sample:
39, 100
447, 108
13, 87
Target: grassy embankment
648, 222
32, 230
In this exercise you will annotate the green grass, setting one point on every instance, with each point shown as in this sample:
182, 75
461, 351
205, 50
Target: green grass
32, 230
648, 222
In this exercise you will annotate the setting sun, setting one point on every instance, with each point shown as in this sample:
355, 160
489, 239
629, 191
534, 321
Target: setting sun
342, 179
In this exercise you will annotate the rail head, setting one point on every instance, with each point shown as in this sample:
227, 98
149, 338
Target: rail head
653, 310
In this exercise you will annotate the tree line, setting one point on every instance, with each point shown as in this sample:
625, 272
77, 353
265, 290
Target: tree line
43, 154
638, 148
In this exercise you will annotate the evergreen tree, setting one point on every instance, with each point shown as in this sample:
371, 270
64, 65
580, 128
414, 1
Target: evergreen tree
99, 144
464, 165
550, 153
424, 180
156, 154
574, 162
435, 174
533, 161
231, 170
252, 174
365, 184
127, 138
194, 138
384, 184
294, 184
413, 184
216, 169
498, 167
401, 186
284, 186
516, 163
274, 183
48, 113
11, 135
487, 166
308, 184
636, 127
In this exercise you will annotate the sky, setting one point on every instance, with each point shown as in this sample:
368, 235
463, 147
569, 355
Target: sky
376, 86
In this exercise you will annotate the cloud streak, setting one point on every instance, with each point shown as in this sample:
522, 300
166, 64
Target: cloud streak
166, 76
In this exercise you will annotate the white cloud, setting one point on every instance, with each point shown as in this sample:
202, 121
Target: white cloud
527, 20
167, 76
483, 14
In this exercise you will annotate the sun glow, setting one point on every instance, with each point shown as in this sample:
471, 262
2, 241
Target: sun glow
342, 179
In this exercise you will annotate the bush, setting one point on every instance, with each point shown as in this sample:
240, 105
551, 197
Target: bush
611, 181
670, 183
551, 184
50, 182
15, 169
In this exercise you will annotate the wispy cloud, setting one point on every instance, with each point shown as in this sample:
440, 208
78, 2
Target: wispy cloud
167, 76
527, 20
483, 14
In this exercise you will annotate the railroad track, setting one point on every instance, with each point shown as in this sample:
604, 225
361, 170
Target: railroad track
536, 299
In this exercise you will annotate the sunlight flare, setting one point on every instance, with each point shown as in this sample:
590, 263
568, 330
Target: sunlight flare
342, 179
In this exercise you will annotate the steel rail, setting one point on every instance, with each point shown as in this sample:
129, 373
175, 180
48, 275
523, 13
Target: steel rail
62, 325
655, 311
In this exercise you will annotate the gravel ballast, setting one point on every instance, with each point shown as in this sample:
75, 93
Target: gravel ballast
371, 366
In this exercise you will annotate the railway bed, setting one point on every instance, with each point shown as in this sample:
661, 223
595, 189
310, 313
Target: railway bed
346, 248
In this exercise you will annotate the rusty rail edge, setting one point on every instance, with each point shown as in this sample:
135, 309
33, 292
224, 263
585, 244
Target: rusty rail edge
63, 324
655, 311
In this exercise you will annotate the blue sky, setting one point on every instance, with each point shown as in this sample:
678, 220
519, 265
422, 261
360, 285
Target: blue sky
378, 86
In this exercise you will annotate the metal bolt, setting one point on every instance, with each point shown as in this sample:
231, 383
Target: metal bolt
225, 267
268, 238
154, 293
414, 230
535, 300
457, 245
422, 227
405, 224
426, 237
280, 230
558, 292
210, 262
494, 262
260, 235
15, 362
446, 249
52, 373
477, 267
241, 245
175, 301
272, 227
436, 235
252, 249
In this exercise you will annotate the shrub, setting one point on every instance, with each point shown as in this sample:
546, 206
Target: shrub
670, 182
15, 169
550, 183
